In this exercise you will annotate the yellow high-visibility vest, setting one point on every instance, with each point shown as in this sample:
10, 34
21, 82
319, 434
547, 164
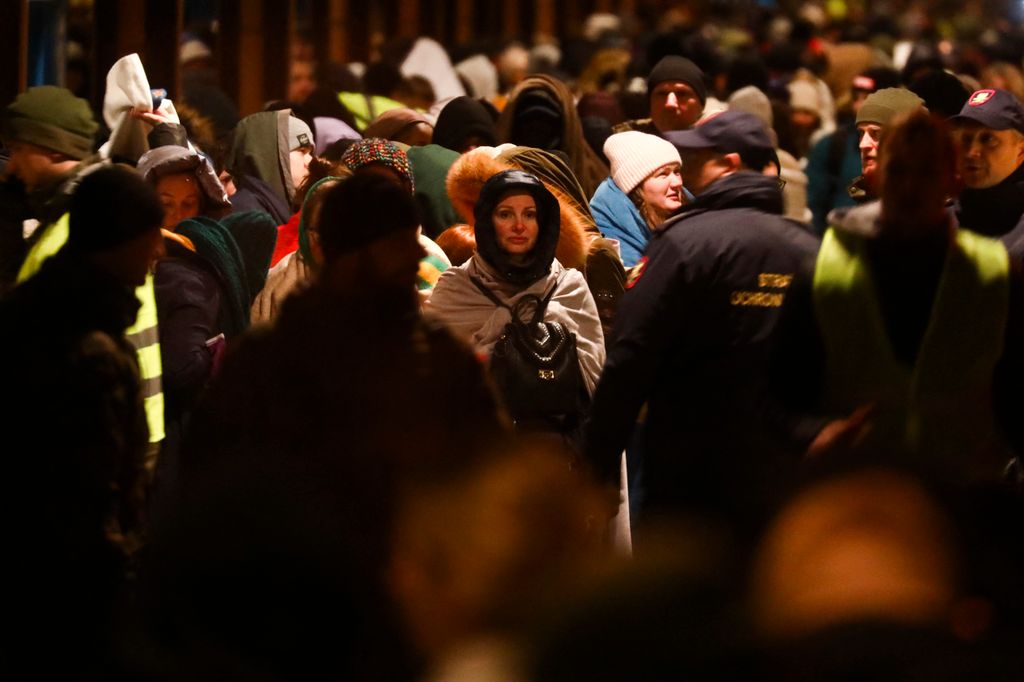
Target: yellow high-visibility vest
941, 406
365, 108
143, 335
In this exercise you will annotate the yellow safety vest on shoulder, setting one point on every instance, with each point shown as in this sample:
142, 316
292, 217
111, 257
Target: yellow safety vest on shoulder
143, 335
365, 108
941, 406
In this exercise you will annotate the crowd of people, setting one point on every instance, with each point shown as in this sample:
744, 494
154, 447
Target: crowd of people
688, 350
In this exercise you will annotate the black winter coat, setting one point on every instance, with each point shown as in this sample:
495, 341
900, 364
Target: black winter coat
75, 435
188, 297
692, 340
297, 453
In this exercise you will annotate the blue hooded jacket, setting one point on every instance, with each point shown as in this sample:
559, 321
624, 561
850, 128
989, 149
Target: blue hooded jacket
618, 218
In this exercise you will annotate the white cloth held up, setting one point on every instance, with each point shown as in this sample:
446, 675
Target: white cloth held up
128, 90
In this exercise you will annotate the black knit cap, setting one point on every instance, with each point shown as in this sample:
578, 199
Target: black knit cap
943, 93
876, 78
363, 209
112, 206
676, 68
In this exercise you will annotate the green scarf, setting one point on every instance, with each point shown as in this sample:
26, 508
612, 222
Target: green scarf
239, 250
304, 250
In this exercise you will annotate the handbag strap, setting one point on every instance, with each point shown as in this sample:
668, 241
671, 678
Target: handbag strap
489, 294
541, 304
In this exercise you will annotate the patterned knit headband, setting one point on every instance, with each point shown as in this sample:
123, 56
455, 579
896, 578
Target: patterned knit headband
384, 152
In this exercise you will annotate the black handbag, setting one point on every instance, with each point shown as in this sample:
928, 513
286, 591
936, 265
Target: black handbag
534, 363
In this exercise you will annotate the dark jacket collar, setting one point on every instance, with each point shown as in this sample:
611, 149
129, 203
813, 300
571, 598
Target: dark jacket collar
262, 197
993, 211
744, 189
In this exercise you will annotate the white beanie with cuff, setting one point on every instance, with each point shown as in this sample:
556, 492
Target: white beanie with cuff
635, 155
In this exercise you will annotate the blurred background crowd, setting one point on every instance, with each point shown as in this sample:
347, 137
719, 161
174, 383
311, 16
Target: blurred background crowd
264, 271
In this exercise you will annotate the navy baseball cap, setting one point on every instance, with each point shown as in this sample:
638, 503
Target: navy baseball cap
996, 109
727, 132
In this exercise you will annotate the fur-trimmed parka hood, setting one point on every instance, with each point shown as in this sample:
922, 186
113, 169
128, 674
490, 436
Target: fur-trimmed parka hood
467, 177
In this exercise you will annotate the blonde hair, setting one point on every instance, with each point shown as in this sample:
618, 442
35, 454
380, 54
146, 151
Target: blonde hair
636, 195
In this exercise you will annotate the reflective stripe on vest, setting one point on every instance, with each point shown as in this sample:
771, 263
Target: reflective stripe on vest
50, 241
942, 405
143, 334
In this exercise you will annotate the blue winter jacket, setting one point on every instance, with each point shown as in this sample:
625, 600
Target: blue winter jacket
618, 218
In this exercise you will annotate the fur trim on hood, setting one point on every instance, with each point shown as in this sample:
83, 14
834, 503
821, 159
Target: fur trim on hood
467, 177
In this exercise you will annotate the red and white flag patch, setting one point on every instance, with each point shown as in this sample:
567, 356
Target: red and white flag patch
980, 97
636, 272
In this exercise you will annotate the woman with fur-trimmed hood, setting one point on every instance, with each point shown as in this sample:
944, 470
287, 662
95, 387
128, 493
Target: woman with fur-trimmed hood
472, 170
580, 244
515, 257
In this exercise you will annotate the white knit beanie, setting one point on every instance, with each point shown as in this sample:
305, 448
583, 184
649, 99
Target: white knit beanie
635, 155
803, 95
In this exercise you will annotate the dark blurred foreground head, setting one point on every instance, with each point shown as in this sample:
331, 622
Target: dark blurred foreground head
368, 234
480, 549
917, 173
673, 612
868, 545
863, 575
115, 223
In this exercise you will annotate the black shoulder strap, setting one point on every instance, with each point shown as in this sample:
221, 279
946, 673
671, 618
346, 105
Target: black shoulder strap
541, 303
488, 293
542, 306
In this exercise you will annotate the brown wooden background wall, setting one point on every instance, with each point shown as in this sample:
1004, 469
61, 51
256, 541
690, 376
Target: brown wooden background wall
254, 49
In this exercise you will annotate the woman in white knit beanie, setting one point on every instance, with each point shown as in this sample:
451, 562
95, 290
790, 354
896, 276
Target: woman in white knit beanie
644, 190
